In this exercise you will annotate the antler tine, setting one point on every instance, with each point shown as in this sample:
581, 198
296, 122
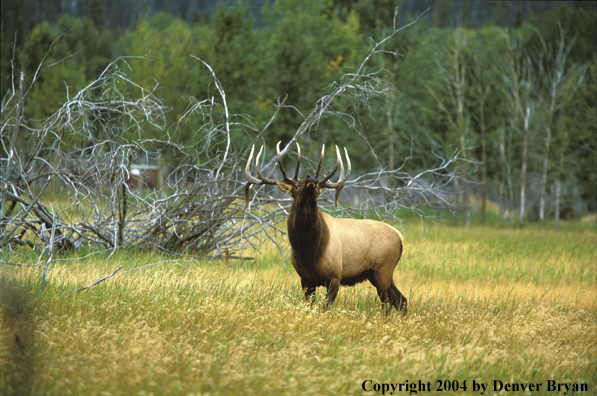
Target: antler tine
323, 181
280, 161
343, 178
264, 179
320, 162
339, 156
298, 163
250, 178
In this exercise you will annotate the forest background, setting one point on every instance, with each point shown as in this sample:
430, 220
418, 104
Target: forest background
509, 86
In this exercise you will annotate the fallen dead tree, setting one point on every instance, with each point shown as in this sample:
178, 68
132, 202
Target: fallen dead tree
96, 204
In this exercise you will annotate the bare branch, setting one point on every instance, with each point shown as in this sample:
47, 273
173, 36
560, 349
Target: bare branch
99, 280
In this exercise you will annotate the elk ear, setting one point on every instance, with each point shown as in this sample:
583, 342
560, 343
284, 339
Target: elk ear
286, 188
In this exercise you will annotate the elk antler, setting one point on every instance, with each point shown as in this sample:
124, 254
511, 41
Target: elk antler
329, 175
323, 183
264, 180
339, 185
298, 164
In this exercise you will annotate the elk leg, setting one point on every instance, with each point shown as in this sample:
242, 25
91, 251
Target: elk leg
397, 299
309, 290
384, 293
333, 288
384, 297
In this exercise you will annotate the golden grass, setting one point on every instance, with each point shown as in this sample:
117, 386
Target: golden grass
243, 328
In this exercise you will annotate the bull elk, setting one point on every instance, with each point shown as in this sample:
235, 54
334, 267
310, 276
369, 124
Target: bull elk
326, 251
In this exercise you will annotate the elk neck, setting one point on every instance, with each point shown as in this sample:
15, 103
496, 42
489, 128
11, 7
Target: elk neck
307, 231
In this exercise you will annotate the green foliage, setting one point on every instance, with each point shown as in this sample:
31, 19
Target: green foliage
581, 127
518, 19
44, 57
236, 67
488, 47
423, 123
442, 13
180, 80
12, 36
300, 49
375, 15
299, 53
94, 45
173, 73
306, 48
578, 22
96, 13
501, 13
62, 60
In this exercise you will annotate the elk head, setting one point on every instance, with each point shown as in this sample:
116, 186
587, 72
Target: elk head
294, 186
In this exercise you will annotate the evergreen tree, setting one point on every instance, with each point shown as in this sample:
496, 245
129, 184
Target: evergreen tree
96, 13
501, 13
305, 48
518, 18
443, 11
13, 36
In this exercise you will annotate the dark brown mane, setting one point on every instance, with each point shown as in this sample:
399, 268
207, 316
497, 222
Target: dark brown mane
307, 231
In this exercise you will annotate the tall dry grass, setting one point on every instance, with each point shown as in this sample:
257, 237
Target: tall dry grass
485, 304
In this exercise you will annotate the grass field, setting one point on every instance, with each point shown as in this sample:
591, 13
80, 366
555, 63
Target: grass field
487, 306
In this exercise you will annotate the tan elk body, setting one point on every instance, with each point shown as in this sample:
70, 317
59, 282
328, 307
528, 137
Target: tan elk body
330, 252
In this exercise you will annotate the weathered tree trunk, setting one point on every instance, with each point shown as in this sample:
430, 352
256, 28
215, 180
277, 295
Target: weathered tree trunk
523, 166
483, 165
510, 192
503, 198
389, 106
506, 176
558, 191
516, 106
390, 100
459, 72
481, 90
466, 204
559, 181
557, 100
544, 175
122, 215
458, 196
